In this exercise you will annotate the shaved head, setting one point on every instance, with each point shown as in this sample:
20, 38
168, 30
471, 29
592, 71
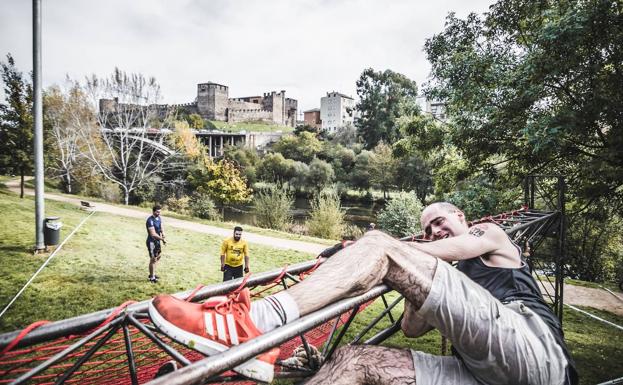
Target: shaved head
447, 206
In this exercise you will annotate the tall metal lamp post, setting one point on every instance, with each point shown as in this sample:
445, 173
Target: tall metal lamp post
38, 120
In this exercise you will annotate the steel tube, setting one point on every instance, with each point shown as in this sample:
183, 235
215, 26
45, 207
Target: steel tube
130, 353
211, 366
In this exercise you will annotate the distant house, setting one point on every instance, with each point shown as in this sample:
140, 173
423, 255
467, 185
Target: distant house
336, 111
312, 118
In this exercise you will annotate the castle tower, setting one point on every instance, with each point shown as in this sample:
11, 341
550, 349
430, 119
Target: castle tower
212, 100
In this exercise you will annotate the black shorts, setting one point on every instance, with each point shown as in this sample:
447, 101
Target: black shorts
153, 248
232, 272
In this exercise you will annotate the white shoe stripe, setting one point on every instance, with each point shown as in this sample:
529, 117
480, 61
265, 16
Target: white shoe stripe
207, 318
231, 325
220, 327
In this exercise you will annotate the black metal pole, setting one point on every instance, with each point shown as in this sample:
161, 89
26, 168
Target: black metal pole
385, 333
353, 313
389, 314
376, 320
86, 356
130, 354
179, 357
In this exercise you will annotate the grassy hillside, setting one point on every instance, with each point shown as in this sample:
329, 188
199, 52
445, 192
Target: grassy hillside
247, 126
105, 264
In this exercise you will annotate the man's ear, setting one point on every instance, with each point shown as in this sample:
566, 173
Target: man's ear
461, 215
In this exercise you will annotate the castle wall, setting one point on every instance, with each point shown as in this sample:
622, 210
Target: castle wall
238, 104
245, 115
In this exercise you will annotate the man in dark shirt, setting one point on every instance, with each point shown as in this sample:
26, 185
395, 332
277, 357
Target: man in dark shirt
489, 308
155, 234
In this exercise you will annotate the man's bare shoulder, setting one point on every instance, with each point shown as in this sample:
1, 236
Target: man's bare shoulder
481, 230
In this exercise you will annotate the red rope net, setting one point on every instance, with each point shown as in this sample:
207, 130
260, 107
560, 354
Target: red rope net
109, 363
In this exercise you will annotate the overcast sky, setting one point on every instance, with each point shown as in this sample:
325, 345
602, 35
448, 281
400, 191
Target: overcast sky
306, 47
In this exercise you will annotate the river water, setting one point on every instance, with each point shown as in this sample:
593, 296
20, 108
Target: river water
357, 213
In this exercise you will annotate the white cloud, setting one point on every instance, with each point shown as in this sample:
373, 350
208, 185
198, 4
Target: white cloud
306, 47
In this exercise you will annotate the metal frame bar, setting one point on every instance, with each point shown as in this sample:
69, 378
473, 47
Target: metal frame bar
130, 353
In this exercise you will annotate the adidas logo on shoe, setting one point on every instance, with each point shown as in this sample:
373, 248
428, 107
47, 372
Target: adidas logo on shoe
213, 327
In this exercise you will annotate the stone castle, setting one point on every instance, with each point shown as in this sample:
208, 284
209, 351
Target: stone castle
213, 103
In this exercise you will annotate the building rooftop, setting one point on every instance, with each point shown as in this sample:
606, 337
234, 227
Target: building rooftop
333, 93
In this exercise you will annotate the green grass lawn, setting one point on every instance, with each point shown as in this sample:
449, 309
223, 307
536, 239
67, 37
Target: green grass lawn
249, 127
105, 264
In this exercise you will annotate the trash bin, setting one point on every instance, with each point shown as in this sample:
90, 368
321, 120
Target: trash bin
51, 231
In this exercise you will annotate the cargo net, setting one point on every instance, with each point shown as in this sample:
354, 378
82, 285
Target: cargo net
127, 349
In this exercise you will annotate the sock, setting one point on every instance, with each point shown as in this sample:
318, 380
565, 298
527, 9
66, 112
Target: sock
274, 311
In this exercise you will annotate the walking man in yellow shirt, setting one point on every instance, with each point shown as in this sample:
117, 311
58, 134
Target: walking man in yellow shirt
232, 251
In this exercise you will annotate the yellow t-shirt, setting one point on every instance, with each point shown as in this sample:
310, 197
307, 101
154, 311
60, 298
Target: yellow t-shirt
234, 251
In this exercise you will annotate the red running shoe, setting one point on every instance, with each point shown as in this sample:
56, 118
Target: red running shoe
213, 327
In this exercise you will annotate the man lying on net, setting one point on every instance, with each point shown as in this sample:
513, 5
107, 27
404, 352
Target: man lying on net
490, 308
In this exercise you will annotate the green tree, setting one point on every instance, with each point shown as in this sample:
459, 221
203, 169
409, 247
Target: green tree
341, 159
16, 122
302, 147
401, 216
360, 176
536, 86
245, 158
384, 97
275, 168
320, 174
195, 121
383, 168
414, 173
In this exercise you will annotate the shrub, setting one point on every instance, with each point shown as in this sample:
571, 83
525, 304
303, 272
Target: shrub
178, 205
108, 191
401, 215
273, 207
352, 232
202, 206
326, 216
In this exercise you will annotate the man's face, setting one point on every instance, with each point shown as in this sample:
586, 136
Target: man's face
439, 223
156, 213
237, 235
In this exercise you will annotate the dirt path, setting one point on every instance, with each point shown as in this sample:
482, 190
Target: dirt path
308, 247
596, 298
